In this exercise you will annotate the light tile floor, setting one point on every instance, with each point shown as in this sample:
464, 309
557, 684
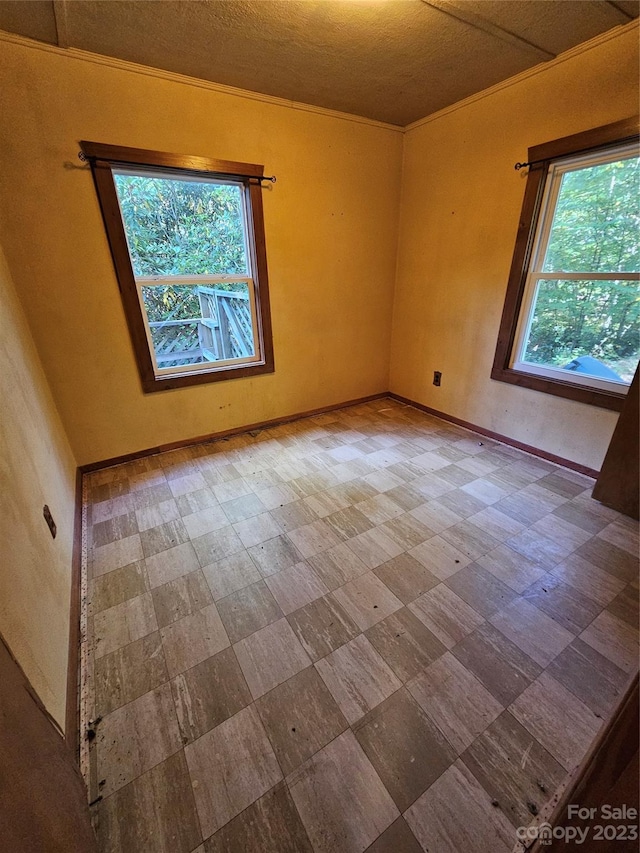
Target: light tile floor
367, 630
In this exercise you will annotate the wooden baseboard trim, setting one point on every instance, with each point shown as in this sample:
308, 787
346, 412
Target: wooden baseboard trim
227, 433
534, 451
72, 714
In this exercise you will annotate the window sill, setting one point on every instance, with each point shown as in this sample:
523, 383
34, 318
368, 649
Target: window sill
203, 377
569, 390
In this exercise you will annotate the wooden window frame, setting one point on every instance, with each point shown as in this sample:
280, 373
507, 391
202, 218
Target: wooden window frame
541, 157
104, 160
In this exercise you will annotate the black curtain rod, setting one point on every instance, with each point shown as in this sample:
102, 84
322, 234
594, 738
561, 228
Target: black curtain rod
87, 159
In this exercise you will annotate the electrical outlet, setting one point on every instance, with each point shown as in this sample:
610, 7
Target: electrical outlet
49, 519
437, 377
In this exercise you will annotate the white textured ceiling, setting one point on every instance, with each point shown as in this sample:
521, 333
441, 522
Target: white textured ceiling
392, 60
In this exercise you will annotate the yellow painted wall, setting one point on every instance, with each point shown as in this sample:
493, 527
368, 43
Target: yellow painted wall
461, 201
36, 467
331, 227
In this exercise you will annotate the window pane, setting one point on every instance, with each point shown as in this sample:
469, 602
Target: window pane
199, 325
597, 220
182, 227
586, 327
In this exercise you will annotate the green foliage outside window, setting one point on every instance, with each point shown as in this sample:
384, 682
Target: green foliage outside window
595, 228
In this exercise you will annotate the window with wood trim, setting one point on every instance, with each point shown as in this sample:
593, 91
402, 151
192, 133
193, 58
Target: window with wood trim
571, 320
187, 240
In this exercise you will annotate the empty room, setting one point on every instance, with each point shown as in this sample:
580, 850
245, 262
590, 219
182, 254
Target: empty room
320, 332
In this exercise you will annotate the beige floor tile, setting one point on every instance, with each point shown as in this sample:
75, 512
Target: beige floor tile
496, 523
117, 586
296, 586
406, 749
539, 636
367, 600
191, 482
615, 639
208, 694
440, 557
616, 561
231, 574
337, 566
217, 545
272, 819
136, 737
291, 516
230, 766
180, 598
470, 539
512, 568
119, 527
169, 565
155, 813
374, 547
563, 602
456, 814
128, 673
195, 502
436, 516
116, 554
445, 614
204, 521
300, 717
405, 643
322, 626
325, 503
239, 509
193, 639
247, 610
588, 579
398, 838
274, 555
590, 676
270, 656
557, 719
163, 537
406, 531
358, 677
623, 533
480, 589
332, 820
157, 514
313, 538
124, 623
252, 531
455, 701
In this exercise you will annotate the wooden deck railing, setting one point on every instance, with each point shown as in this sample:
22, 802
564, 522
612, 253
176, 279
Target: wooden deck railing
222, 331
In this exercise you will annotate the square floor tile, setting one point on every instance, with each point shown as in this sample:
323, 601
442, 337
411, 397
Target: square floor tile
496, 760
374, 547
358, 678
405, 643
614, 639
563, 602
480, 589
163, 537
270, 656
193, 639
406, 577
537, 634
269, 825
616, 561
588, 579
217, 545
255, 530
181, 597
337, 566
231, 766
206, 520
248, 610
455, 701
123, 624
406, 749
155, 813
512, 568
367, 600
134, 738
445, 614
456, 814
590, 676
208, 694
501, 666
116, 554
334, 822
322, 626
296, 586
314, 538
128, 673
117, 586
274, 555
557, 719
231, 574
169, 565
300, 717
